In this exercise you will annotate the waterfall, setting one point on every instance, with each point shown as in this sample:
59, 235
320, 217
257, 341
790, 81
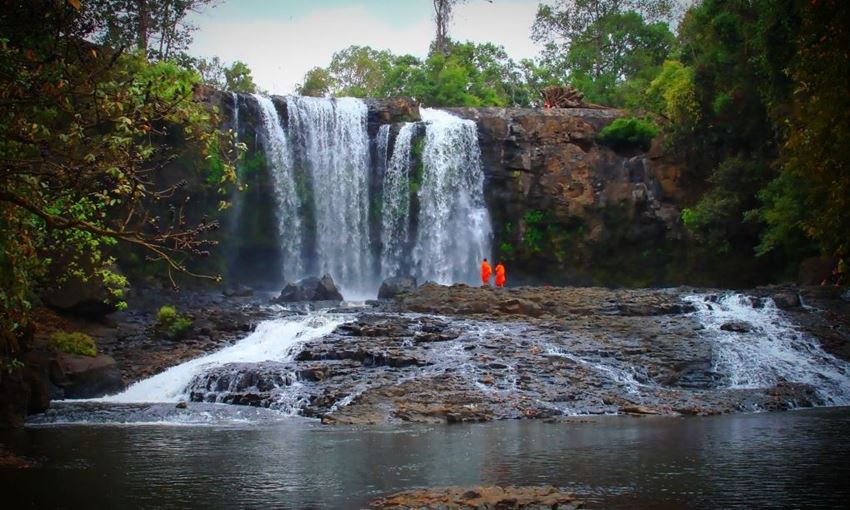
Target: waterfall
433, 222
329, 141
234, 219
273, 340
769, 350
454, 231
280, 164
395, 206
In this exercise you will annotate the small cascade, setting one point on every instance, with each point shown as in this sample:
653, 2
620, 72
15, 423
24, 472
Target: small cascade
395, 207
330, 144
764, 348
454, 231
279, 160
237, 203
274, 340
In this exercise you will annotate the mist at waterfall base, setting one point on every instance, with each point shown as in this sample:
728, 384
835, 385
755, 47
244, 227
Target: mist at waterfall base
406, 199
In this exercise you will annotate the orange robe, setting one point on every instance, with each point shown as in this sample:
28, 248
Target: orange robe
500, 275
486, 271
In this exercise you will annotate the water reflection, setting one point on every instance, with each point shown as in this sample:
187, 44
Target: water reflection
794, 459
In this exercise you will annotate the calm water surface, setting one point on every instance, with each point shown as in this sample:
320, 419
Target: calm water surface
776, 460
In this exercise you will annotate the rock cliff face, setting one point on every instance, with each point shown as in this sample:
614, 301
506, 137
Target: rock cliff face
567, 209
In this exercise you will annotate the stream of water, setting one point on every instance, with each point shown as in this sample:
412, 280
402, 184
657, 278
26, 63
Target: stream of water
768, 460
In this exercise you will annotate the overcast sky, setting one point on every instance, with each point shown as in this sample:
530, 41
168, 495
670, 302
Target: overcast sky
280, 40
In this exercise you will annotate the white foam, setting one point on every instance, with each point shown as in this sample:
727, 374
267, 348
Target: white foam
271, 341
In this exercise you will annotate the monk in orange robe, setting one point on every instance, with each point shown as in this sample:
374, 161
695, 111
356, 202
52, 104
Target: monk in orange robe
486, 271
500, 275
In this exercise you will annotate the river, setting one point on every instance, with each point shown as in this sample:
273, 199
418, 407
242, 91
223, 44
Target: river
798, 459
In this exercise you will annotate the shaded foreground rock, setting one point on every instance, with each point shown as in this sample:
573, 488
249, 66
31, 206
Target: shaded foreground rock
86, 376
487, 498
310, 289
397, 286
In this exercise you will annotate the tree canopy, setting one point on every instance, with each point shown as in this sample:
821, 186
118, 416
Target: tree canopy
86, 136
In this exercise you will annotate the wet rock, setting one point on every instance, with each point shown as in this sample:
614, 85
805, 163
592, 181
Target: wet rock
396, 286
182, 405
89, 297
502, 498
238, 291
737, 327
786, 300
310, 289
87, 376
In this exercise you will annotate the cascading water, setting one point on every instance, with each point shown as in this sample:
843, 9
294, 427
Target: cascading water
279, 160
395, 207
271, 341
454, 225
329, 141
768, 348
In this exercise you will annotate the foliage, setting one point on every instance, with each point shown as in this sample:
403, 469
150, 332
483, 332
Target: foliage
237, 78
73, 343
768, 124
717, 220
171, 323
233, 78
158, 28
465, 74
673, 95
86, 138
609, 49
628, 132
317, 83
534, 233
811, 195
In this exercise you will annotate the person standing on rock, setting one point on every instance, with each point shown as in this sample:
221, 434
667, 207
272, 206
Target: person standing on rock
500, 275
486, 271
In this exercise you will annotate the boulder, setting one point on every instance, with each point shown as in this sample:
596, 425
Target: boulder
310, 289
86, 376
786, 300
737, 327
816, 270
392, 287
90, 297
238, 290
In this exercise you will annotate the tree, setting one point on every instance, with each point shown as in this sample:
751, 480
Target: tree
212, 72
158, 28
317, 83
237, 78
810, 198
442, 19
610, 50
85, 141
358, 71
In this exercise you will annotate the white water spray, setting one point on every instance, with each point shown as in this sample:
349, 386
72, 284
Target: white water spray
395, 207
329, 140
454, 225
280, 163
271, 341
773, 350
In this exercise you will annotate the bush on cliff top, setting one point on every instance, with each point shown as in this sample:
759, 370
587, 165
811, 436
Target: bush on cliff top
170, 323
628, 132
73, 343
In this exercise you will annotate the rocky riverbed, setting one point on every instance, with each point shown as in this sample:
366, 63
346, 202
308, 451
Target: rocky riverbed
459, 354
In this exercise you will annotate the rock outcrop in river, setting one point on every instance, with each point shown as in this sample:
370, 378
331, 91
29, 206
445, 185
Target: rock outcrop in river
459, 354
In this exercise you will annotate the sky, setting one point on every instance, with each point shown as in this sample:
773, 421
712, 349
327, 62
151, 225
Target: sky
281, 40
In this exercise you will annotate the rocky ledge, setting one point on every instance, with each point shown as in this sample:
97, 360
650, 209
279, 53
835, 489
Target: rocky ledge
461, 354
481, 498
